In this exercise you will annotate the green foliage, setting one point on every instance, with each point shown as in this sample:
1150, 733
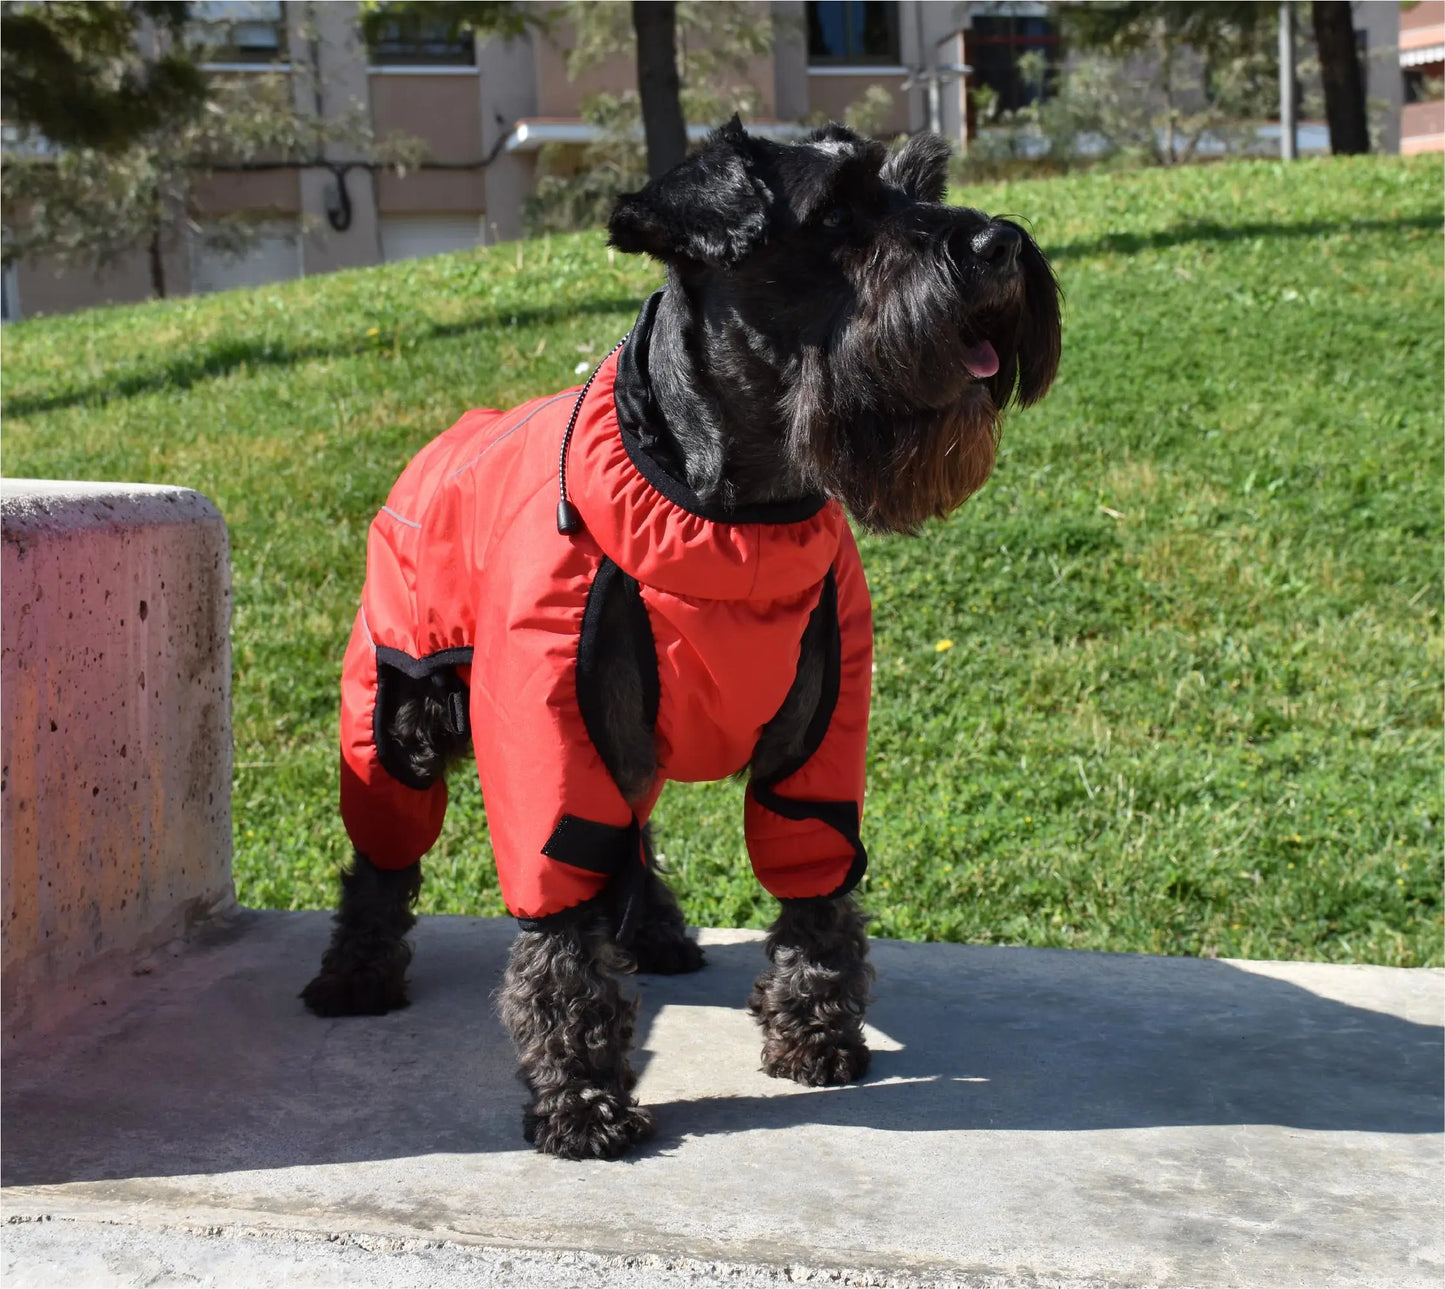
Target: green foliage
1171, 682
391, 18
1153, 82
73, 73
88, 207
577, 188
866, 113
717, 40
1217, 29
91, 205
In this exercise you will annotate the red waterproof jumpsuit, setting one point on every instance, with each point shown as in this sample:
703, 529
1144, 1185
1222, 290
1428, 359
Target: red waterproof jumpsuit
466, 569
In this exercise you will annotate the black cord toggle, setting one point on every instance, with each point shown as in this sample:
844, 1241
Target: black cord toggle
569, 521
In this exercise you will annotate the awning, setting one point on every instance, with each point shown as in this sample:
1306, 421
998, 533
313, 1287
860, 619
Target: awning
529, 135
1419, 57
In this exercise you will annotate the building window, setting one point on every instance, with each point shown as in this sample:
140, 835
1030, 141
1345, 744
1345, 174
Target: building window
1423, 84
412, 39
239, 31
853, 31
994, 44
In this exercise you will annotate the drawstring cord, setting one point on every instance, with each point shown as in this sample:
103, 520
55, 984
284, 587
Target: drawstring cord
569, 521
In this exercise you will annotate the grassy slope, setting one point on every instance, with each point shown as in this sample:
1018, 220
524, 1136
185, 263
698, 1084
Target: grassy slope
1192, 702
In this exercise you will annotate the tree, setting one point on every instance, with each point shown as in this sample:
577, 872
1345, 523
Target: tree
658, 86
108, 192
1343, 78
1165, 75
715, 42
75, 74
383, 18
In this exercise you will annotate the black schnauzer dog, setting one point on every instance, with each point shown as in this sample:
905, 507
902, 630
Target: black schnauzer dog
829, 329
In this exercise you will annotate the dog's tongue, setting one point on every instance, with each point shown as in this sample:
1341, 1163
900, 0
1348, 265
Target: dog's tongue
981, 360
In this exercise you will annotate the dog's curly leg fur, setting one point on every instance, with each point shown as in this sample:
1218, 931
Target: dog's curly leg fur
660, 943
810, 1001
564, 1008
363, 972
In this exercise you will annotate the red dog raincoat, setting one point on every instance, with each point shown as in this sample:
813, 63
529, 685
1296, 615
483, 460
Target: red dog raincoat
466, 569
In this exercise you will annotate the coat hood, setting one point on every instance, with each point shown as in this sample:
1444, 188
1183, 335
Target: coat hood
651, 524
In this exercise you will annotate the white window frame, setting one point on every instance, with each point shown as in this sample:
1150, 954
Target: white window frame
421, 69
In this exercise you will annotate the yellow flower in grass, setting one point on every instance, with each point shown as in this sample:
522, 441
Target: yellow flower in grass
943, 646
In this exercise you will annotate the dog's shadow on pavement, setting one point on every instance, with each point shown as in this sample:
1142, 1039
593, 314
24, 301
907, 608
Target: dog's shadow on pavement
1056, 1041
215, 1067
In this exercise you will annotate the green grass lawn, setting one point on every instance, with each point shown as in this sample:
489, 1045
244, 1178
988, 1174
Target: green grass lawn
1171, 683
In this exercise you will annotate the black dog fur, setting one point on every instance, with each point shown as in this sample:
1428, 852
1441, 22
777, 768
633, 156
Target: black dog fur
820, 303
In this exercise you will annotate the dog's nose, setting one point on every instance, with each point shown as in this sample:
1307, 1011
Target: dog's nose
997, 244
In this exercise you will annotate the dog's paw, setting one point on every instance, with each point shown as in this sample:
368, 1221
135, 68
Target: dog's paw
819, 1063
586, 1123
670, 956
366, 993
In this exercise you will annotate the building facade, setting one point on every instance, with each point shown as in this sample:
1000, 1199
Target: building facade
485, 108
1422, 63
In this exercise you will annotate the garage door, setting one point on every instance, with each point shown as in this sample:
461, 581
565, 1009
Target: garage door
409, 237
275, 258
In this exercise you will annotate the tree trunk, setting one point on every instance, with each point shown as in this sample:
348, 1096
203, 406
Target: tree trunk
1342, 75
655, 22
158, 267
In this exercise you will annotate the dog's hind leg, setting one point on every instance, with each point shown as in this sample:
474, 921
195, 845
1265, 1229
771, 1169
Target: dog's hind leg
564, 1008
660, 942
811, 999
363, 971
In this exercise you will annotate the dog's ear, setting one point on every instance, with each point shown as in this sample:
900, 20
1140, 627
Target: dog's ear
1040, 339
919, 167
710, 209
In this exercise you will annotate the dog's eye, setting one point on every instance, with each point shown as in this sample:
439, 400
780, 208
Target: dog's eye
838, 217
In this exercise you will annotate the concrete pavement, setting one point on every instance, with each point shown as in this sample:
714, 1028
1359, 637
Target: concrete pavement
1033, 1118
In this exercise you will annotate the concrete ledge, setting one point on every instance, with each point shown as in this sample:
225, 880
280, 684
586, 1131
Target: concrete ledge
116, 820
1034, 1118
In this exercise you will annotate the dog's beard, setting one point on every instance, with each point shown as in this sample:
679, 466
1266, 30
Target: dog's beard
892, 467
896, 412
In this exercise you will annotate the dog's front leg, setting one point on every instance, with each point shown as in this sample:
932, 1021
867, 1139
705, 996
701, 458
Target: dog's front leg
363, 972
810, 1001
563, 1005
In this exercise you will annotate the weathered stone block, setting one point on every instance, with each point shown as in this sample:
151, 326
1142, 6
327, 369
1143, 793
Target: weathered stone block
116, 709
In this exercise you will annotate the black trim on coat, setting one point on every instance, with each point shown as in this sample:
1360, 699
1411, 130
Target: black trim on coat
563, 917
388, 660
841, 816
817, 731
589, 845
648, 441
620, 853
589, 697
421, 668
